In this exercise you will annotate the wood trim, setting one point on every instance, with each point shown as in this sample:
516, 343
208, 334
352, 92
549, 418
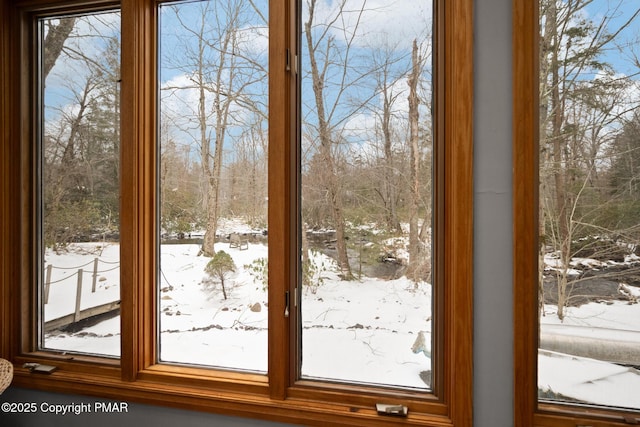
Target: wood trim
301, 411
138, 195
9, 173
26, 130
362, 395
525, 215
558, 415
458, 214
282, 221
439, 70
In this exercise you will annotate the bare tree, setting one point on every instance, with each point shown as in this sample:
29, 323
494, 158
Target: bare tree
414, 119
387, 76
57, 34
248, 176
575, 112
221, 73
328, 60
81, 131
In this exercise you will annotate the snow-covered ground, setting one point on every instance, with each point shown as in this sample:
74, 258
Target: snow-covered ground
614, 327
65, 267
589, 380
361, 330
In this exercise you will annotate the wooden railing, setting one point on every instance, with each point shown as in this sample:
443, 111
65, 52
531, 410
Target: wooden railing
78, 314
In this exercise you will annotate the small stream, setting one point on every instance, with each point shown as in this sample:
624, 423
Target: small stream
381, 268
324, 242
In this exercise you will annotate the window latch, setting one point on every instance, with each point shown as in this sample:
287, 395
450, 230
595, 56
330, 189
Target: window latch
291, 62
393, 410
286, 304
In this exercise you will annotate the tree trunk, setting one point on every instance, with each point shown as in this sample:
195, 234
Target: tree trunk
561, 212
391, 196
331, 180
209, 239
225, 73
415, 260
54, 42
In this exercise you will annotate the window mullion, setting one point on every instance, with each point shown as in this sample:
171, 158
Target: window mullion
138, 203
282, 197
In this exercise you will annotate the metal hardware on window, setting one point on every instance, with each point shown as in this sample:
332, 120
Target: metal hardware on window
392, 410
39, 369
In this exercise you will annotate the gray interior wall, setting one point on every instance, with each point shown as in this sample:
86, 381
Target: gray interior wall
493, 330
493, 296
133, 415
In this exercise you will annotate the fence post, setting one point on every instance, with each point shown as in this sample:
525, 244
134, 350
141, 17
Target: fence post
95, 275
47, 283
78, 296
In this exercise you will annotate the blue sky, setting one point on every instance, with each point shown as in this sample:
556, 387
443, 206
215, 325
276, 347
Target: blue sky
386, 25
618, 13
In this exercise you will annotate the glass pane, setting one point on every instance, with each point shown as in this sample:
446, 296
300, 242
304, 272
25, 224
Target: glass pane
79, 187
589, 203
366, 173
213, 183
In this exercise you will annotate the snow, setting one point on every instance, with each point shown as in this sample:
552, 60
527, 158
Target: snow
197, 325
362, 331
589, 380
357, 331
615, 315
64, 278
353, 331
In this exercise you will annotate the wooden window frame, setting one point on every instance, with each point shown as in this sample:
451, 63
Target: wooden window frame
277, 396
528, 411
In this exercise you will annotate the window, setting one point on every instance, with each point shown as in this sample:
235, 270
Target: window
219, 118
214, 146
366, 164
78, 149
575, 224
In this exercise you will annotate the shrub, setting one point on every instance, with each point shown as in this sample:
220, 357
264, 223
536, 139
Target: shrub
220, 266
259, 270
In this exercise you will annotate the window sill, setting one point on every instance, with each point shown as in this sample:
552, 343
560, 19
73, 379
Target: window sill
253, 401
557, 414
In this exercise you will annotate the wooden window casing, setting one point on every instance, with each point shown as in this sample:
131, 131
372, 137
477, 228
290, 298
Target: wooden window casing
279, 395
528, 411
